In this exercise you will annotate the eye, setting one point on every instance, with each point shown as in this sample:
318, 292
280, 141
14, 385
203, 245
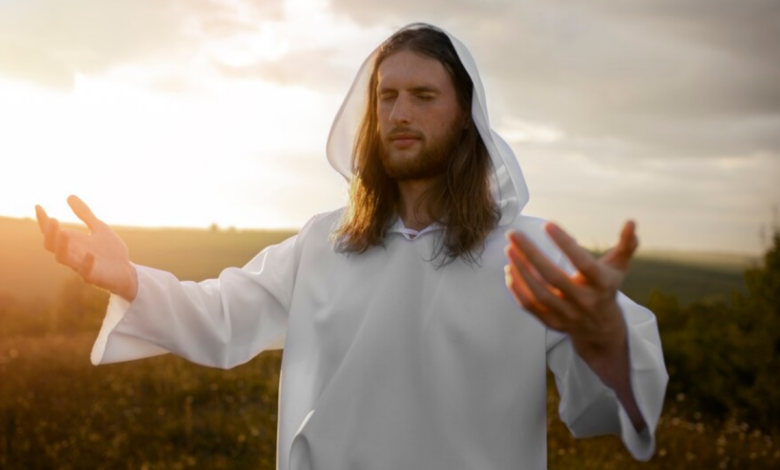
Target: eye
387, 96
425, 97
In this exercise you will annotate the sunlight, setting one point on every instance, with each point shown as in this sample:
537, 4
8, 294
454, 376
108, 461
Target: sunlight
107, 140
177, 143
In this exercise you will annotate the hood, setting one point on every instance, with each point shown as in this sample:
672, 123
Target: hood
507, 183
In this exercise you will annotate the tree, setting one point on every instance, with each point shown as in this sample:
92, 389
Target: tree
723, 357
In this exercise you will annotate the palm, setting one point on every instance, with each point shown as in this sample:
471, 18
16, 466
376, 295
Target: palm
108, 249
100, 257
583, 305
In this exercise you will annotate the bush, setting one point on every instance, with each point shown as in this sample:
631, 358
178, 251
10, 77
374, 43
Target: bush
723, 357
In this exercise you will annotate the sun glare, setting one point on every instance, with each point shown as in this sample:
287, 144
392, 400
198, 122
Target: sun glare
175, 141
125, 148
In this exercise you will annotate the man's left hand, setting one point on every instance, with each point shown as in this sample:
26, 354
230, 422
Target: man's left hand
583, 305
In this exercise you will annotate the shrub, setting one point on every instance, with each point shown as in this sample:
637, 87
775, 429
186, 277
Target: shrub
723, 357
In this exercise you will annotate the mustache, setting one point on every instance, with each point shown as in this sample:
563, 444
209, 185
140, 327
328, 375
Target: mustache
405, 132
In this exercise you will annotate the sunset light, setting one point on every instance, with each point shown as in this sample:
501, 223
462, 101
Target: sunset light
219, 113
298, 234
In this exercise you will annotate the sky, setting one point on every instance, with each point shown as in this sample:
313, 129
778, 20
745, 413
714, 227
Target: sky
192, 112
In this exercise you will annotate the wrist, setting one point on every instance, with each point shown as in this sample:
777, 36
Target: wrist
610, 340
129, 289
602, 354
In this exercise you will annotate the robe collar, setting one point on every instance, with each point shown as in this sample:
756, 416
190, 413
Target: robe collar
396, 225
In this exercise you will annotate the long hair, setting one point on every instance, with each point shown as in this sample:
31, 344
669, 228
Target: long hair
459, 200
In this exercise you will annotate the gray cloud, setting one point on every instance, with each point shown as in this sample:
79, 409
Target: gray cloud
697, 77
693, 78
46, 41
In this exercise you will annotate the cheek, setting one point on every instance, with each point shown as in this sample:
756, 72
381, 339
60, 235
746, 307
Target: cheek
383, 115
445, 119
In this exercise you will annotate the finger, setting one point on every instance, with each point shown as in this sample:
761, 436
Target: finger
524, 296
63, 250
542, 292
620, 256
85, 268
515, 258
546, 268
585, 263
50, 237
509, 279
43, 218
518, 288
83, 212
519, 282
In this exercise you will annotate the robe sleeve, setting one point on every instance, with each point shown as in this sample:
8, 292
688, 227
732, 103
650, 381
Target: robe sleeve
590, 408
221, 322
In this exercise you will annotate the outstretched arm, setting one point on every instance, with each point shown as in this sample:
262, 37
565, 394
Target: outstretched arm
218, 322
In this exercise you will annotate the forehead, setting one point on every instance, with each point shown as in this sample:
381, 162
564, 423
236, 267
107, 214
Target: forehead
408, 69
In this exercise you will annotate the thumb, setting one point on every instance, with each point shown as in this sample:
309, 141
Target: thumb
43, 218
620, 256
83, 212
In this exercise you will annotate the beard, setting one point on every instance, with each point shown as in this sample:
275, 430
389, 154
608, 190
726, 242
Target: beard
430, 162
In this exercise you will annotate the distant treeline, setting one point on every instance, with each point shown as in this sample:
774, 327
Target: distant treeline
724, 356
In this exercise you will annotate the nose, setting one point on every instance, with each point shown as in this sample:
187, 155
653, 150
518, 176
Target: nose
401, 113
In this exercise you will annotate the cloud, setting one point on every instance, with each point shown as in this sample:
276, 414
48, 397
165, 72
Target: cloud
317, 69
677, 78
26, 62
665, 111
692, 78
309, 47
48, 41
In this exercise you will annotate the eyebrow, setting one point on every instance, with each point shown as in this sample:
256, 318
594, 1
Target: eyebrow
419, 89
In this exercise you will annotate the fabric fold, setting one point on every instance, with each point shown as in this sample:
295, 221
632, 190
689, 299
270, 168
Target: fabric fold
110, 347
589, 408
220, 322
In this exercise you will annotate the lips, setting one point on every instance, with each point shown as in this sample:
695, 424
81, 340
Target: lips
403, 143
404, 139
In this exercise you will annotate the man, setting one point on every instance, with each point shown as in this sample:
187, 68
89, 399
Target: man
415, 337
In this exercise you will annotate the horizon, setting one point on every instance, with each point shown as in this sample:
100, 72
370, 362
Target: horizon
642, 250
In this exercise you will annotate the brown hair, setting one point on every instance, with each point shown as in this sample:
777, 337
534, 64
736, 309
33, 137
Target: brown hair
460, 200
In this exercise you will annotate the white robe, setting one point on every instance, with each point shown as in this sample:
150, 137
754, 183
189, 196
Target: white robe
388, 362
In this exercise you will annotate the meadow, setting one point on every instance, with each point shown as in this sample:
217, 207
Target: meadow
58, 411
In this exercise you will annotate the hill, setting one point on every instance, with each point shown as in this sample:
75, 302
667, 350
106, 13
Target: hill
689, 276
29, 274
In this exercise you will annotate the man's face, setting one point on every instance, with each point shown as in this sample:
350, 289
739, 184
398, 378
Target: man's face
420, 121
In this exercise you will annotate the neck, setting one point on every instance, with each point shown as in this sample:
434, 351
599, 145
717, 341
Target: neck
410, 192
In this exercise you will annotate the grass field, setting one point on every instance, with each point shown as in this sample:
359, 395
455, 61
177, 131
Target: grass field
58, 411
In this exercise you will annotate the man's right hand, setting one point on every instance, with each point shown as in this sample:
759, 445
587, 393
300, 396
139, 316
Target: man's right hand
100, 257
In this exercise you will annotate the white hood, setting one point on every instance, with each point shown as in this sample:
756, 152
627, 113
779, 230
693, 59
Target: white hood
507, 183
